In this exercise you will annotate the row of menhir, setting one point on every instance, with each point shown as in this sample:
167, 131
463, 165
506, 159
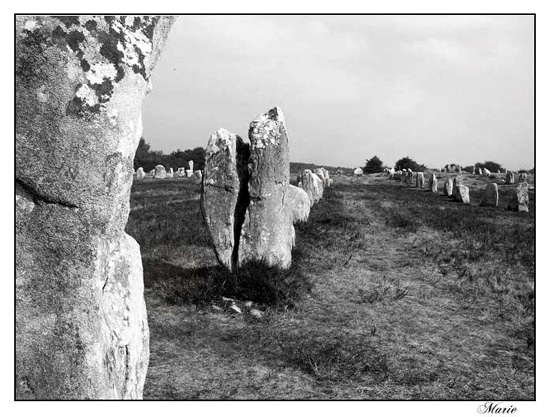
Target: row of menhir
247, 201
519, 201
159, 172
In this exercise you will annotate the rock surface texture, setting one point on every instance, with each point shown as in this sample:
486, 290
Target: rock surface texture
81, 323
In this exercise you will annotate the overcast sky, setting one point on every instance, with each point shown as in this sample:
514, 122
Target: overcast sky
440, 89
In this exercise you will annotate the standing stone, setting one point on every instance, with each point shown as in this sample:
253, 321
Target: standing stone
522, 177
456, 182
323, 174
81, 323
170, 174
268, 232
480, 171
152, 173
448, 187
358, 172
432, 185
140, 174
420, 180
510, 178
160, 172
189, 173
198, 175
520, 199
191, 165
221, 194
300, 203
310, 185
462, 194
490, 197
486, 172
328, 180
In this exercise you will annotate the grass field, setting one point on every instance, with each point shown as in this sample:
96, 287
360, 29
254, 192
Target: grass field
394, 293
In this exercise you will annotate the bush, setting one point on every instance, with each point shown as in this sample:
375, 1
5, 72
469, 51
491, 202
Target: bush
408, 163
490, 165
373, 165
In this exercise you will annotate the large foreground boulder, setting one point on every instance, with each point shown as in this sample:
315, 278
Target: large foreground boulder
81, 322
520, 199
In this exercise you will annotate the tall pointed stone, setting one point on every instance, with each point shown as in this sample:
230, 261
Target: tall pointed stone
220, 193
433, 183
268, 230
81, 323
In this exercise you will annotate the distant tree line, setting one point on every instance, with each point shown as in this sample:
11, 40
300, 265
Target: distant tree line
148, 159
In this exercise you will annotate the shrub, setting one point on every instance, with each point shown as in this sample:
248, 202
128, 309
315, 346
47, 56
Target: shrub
408, 163
373, 165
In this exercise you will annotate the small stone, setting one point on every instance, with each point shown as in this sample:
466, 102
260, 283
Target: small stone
248, 304
358, 172
256, 313
235, 308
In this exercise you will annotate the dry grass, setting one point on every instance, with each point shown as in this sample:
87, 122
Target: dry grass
395, 293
